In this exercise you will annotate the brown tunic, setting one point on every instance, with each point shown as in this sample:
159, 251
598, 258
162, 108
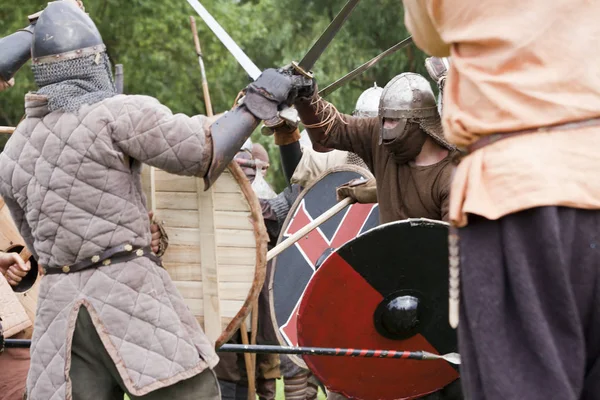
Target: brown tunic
403, 190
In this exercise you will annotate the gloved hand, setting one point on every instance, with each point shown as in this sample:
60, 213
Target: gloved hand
284, 132
5, 85
437, 68
273, 90
363, 191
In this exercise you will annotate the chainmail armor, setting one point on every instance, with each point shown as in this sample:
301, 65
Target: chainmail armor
354, 159
282, 203
72, 83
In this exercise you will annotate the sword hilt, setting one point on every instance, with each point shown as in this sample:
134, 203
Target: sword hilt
302, 71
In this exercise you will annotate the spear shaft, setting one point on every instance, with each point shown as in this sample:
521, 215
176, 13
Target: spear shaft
209, 109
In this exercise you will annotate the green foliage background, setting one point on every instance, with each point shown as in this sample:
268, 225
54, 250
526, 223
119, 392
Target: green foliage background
153, 40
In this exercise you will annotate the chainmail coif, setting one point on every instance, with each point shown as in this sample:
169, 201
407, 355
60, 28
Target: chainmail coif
72, 83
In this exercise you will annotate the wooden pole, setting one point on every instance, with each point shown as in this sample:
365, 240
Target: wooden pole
308, 228
119, 78
209, 109
7, 129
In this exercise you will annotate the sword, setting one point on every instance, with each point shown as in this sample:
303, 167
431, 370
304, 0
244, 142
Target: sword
353, 74
303, 67
453, 358
251, 69
311, 57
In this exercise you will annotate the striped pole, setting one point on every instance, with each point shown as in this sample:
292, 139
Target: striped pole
453, 358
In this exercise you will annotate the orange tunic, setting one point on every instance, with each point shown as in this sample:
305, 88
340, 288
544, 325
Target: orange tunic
517, 65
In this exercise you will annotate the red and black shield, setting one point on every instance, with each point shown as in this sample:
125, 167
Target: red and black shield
294, 267
385, 290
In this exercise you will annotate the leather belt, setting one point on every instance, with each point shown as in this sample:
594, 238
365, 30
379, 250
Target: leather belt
487, 140
118, 254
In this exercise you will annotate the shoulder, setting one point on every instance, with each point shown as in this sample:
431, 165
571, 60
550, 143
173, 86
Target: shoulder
123, 104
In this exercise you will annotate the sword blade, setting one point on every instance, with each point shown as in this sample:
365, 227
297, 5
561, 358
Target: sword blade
353, 74
323, 41
241, 57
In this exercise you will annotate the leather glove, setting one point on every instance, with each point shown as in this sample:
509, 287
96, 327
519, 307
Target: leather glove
363, 191
285, 133
272, 91
5, 85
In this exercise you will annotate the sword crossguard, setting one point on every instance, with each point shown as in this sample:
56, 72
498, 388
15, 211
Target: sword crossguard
302, 71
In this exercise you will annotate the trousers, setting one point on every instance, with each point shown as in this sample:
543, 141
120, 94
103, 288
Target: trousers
95, 377
529, 323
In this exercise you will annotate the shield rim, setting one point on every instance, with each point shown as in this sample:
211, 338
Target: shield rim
260, 270
260, 235
298, 360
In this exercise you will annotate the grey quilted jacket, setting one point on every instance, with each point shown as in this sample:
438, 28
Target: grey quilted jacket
72, 183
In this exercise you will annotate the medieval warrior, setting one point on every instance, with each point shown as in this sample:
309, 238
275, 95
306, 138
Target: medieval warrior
403, 147
109, 319
524, 104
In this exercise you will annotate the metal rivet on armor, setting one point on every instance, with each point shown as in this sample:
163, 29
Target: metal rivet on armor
106, 262
139, 252
128, 247
95, 259
66, 269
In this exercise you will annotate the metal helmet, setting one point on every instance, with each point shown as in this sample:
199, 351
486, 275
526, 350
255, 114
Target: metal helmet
407, 95
64, 32
367, 104
69, 61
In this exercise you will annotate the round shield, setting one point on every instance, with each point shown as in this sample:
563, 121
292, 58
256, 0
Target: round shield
217, 244
385, 290
294, 267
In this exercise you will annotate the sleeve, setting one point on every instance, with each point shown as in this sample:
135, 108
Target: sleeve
149, 132
443, 185
419, 23
271, 221
333, 130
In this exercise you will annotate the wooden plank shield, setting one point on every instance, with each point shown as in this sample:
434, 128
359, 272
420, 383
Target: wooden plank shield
385, 290
217, 244
17, 305
295, 266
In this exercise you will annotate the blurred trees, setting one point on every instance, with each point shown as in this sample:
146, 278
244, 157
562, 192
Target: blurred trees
153, 40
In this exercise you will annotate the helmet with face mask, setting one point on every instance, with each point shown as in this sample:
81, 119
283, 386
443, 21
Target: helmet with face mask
69, 60
409, 102
367, 104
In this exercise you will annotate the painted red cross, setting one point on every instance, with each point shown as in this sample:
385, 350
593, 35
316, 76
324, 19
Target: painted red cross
315, 243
